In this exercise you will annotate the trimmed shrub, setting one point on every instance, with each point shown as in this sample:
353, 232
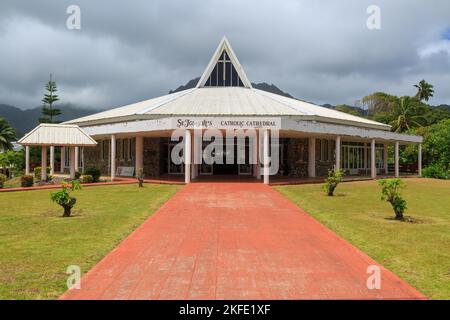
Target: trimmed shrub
86, 178
94, 172
64, 199
331, 182
390, 191
140, 176
3, 178
37, 174
77, 175
27, 181
436, 171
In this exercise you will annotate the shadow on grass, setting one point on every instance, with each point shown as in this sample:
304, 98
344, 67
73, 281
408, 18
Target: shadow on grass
408, 219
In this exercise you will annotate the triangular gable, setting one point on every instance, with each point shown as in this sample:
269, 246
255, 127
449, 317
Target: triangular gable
224, 69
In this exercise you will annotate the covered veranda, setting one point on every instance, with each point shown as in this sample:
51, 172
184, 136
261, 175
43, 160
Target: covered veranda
362, 157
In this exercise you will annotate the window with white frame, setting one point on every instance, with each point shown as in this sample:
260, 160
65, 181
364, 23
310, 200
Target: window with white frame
355, 156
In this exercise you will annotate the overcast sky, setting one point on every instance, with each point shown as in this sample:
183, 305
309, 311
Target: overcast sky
127, 51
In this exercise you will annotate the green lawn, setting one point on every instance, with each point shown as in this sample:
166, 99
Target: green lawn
417, 252
37, 244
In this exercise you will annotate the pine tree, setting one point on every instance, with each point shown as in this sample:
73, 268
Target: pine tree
50, 97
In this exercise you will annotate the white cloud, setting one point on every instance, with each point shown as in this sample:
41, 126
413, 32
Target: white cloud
430, 49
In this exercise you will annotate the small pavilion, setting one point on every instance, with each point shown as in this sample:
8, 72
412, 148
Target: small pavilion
48, 135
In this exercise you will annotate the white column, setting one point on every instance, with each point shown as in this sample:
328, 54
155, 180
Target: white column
192, 157
77, 158
338, 153
113, 157
52, 160
139, 153
258, 152
63, 159
187, 156
397, 169
373, 167
385, 158
27, 160
311, 157
419, 160
266, 157
44, 163
72, 162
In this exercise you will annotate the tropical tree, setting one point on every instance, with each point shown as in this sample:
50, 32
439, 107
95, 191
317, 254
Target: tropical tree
7, 135
49, 99
12, 161
378, 102
424, 90
408, 113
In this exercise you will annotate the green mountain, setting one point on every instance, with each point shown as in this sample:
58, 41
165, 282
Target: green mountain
261, 86
25, 120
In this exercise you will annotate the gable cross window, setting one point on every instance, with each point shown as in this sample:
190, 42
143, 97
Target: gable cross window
224, 74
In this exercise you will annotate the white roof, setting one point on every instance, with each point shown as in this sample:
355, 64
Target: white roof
47, 134
225, 101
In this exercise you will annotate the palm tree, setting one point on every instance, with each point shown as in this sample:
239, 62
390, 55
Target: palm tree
408, 113
7, 135
424, 90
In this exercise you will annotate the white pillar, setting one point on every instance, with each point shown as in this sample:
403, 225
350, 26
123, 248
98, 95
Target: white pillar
193, 141
419, 160
113, 157
77, 158
397, 169
44, 163
385, 158
312, 157
187, 156
139, 153
27, 160
266, 156
63, 159
258, 153
72, 162
338, 153
52, 160
373, 167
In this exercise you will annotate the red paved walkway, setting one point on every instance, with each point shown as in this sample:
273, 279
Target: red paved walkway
234, 241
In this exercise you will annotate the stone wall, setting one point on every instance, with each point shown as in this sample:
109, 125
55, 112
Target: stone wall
92, 158
322, 167
152, 158
296, 158
295, 162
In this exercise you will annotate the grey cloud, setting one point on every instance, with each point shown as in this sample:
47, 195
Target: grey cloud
319, 51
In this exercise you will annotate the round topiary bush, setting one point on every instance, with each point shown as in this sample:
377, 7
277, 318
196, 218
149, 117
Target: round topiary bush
37, 173
27, 181
94, 172
87, 178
